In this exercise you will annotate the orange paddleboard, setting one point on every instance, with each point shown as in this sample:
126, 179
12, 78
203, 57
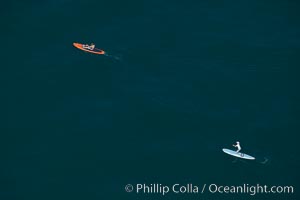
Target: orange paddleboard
95, 50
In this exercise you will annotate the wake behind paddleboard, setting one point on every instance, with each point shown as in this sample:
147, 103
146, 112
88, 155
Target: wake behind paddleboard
239, 155
95, 50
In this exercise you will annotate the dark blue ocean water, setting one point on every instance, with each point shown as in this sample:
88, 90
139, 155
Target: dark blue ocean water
184, 80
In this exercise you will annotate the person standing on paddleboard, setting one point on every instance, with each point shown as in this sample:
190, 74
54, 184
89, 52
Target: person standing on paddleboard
238, 146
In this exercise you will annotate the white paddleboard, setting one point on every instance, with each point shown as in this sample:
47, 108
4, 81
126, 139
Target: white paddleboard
239, 154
